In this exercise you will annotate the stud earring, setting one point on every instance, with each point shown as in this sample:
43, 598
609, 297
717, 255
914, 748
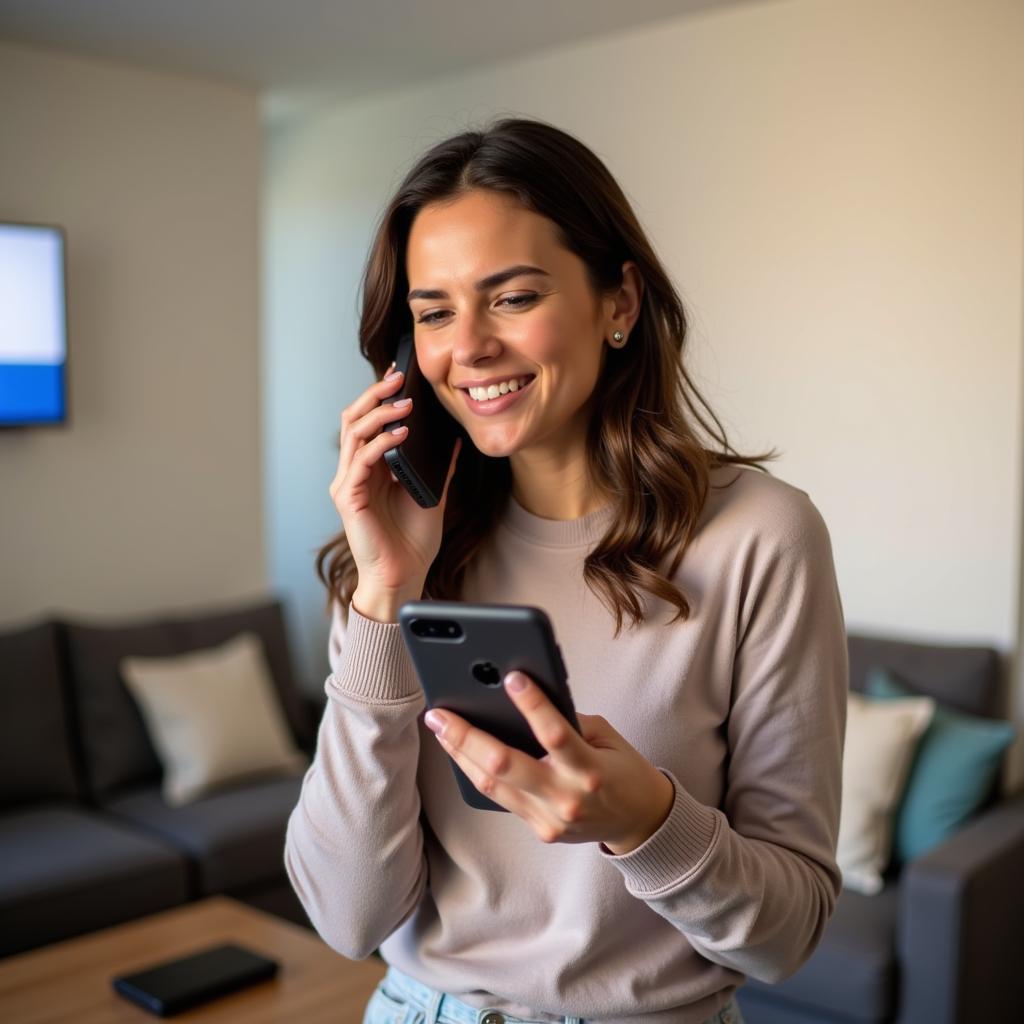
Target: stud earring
618, 339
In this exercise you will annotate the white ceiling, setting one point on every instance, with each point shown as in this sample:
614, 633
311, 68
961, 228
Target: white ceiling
296, 51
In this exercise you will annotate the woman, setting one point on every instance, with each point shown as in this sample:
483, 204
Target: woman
685, 839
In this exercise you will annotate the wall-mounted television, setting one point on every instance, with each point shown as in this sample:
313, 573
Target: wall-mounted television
33, 325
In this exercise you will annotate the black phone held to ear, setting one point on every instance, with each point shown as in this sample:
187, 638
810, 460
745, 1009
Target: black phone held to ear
420, 463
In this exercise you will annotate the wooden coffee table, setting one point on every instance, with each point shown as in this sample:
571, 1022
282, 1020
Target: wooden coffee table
70, 980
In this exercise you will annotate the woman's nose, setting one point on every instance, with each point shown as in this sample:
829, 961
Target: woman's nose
474, 340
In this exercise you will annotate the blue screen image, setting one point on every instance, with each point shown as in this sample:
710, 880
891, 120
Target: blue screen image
33, 325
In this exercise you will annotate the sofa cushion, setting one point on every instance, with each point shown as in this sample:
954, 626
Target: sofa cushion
881, 740
213, 717
36, 756
852, 973
267, 620
234, 837
118, 751
956, 765
68, 870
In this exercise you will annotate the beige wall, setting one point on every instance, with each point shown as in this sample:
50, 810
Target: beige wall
838, 190
151, 497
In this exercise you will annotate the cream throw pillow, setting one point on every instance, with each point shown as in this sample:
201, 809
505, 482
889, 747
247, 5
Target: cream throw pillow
881, 738
214, 717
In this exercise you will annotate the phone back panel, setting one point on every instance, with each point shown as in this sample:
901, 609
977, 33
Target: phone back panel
496, 638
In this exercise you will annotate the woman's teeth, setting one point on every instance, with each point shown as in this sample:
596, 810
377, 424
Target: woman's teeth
497, 390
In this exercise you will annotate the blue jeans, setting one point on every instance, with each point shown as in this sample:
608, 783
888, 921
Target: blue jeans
399, 999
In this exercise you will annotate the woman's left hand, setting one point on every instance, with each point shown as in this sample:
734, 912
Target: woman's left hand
592, 786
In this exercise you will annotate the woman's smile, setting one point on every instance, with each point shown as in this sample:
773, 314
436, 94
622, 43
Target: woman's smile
510, 393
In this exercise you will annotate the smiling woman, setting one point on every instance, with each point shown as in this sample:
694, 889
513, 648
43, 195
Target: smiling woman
685, 836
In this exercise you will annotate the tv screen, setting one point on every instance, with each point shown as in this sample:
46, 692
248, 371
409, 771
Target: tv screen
33, 325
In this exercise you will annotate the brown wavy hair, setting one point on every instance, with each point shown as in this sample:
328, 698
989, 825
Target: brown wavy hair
643, 443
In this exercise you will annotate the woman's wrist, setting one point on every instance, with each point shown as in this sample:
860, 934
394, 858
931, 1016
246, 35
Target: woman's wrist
381, 606
660, 810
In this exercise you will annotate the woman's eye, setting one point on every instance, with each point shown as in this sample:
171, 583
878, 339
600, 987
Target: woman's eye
429, 318
519, 300
514, 302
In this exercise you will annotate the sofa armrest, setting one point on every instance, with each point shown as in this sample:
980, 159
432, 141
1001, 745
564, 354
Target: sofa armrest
961, 924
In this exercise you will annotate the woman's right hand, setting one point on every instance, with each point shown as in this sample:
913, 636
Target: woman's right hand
392, 539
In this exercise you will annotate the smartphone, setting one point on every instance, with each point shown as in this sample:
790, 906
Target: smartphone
168, 988
462, 651
420, 463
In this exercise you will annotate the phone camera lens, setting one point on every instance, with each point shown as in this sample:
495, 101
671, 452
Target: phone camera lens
444, 629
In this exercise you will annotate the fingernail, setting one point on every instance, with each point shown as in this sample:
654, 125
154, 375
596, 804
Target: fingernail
435, 722
516, 682
394, 375
402, 402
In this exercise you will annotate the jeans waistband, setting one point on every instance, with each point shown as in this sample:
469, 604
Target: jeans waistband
439, 1004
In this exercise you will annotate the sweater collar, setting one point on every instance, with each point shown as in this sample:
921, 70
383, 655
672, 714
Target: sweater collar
557, 533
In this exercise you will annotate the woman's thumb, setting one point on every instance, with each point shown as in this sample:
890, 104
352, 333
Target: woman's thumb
597, 730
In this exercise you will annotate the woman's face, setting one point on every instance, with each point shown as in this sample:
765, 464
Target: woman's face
544, 326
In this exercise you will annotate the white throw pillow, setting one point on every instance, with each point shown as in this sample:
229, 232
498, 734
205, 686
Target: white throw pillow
213, 716
881, 738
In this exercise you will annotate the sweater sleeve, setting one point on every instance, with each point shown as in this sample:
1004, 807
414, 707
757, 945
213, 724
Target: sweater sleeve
354, 844
753, 885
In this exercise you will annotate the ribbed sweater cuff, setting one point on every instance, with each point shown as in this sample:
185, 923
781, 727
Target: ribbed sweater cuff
682, 841
374, 663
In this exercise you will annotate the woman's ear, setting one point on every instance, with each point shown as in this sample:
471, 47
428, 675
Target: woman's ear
623, 304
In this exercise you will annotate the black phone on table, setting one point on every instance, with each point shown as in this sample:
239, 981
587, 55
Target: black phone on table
420, 462
175, 985
462, 651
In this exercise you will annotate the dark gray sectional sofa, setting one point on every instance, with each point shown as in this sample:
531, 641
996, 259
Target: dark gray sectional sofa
943, 942
86, 839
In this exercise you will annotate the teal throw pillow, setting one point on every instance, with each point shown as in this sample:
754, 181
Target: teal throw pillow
956, 762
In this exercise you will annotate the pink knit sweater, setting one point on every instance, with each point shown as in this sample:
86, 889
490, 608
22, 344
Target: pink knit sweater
743, 707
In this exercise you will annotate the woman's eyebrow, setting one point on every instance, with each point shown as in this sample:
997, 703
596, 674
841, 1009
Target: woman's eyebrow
491, 281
